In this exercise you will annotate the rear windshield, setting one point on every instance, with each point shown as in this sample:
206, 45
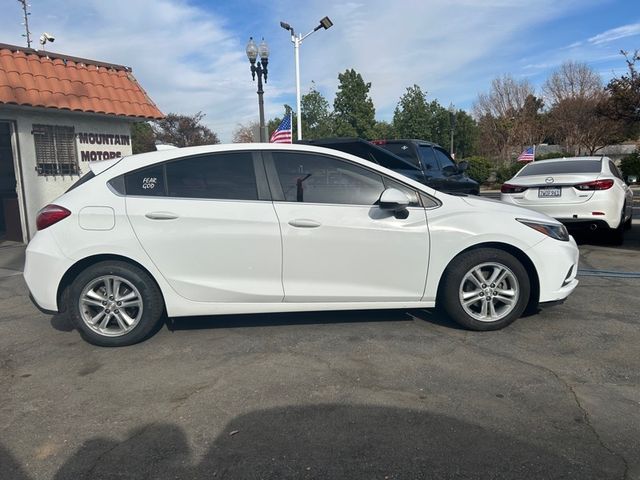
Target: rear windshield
569, 166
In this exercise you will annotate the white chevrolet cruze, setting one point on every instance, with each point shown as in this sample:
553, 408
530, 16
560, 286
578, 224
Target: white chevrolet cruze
581, 192
270, 228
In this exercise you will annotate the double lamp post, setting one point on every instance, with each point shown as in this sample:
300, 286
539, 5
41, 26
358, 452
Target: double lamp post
259, 68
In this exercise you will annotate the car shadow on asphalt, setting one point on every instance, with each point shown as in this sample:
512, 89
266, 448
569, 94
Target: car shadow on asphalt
601, 239
62, 323
329, 441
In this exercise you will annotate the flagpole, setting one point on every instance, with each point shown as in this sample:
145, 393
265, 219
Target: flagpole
534, 153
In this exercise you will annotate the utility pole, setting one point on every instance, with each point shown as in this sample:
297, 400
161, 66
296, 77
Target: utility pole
25, 7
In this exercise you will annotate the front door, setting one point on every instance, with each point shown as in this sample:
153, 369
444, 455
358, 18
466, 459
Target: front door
338, 246
10, 228
208, 226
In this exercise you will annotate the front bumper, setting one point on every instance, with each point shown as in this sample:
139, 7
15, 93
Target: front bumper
557, 265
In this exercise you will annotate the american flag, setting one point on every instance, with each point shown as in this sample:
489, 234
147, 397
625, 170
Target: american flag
282, 134
527, 155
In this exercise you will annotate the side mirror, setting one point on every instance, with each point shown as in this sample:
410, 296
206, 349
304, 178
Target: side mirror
394, 200
462, 166
449, 170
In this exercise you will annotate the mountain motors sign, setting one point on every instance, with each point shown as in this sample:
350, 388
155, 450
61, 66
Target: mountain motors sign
95, 146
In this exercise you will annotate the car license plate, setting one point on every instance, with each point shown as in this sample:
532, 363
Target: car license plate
549, 192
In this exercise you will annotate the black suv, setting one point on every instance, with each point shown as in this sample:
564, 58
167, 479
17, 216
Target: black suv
422, 161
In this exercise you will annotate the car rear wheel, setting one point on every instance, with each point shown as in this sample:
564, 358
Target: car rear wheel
115, 304
485, 289
616, 235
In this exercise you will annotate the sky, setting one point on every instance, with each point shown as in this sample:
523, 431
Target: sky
189, 55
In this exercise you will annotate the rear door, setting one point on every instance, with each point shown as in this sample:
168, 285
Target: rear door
338, 245
208, 224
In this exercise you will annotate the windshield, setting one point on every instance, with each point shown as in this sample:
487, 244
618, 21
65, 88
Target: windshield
553, 168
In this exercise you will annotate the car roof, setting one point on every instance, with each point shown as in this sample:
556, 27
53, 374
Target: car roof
412, 140
142, 160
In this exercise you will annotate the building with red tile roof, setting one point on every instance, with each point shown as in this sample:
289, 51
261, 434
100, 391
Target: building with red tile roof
57, 114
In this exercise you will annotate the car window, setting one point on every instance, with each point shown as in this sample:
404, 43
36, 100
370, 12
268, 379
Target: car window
146, 181
227, 176
614, 169
403, 151
312, 178
541, 167
414, 201
428, 157
443, 159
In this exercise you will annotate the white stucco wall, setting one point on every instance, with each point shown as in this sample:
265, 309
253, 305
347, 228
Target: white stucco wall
40, 190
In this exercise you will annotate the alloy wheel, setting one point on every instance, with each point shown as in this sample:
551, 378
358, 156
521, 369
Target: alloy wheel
110, 305
489, 292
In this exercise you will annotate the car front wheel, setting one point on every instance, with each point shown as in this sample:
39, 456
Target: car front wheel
115, 304
485, 289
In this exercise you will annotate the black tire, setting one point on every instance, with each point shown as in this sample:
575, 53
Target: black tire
628, 224
449, 294
616, 235
152, 303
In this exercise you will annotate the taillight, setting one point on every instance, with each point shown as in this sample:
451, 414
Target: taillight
595, 185
51, 214
379, 142
508, 188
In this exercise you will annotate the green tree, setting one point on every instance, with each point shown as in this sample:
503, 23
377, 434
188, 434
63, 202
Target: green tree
184, 130
353, 108
384, 131
624, 92
465, 134
479, 168
631, 165
412, 116
317, 121
142, 138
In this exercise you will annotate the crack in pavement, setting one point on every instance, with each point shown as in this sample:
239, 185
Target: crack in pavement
569, 388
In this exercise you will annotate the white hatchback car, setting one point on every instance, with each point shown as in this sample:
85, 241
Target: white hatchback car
277, 228
581, 192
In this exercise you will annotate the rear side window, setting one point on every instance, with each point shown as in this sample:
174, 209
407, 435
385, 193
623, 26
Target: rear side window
403, 151
567, 166
226, 176
614, 170
148, 182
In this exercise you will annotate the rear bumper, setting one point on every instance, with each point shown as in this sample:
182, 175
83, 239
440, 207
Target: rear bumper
44, 267
42, 310
576, 214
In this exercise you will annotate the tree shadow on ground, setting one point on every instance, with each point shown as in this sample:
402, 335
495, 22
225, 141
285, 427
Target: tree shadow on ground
331, 441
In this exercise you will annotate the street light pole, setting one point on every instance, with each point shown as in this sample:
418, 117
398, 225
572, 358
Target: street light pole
452, 121
260, 69
297, 41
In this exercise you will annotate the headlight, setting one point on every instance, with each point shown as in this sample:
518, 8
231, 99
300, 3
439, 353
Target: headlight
553, 230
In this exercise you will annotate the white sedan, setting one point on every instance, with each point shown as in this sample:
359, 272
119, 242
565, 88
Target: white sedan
278, 228
581, 192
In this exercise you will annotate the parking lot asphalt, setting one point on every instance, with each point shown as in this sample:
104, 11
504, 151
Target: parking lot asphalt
379, 394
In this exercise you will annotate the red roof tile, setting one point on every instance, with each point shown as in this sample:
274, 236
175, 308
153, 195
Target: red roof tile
45, 79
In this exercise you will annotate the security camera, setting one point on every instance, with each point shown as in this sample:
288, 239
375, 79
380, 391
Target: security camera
46, 37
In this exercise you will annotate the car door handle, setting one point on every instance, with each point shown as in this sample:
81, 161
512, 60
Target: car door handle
304, 223
161, 216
